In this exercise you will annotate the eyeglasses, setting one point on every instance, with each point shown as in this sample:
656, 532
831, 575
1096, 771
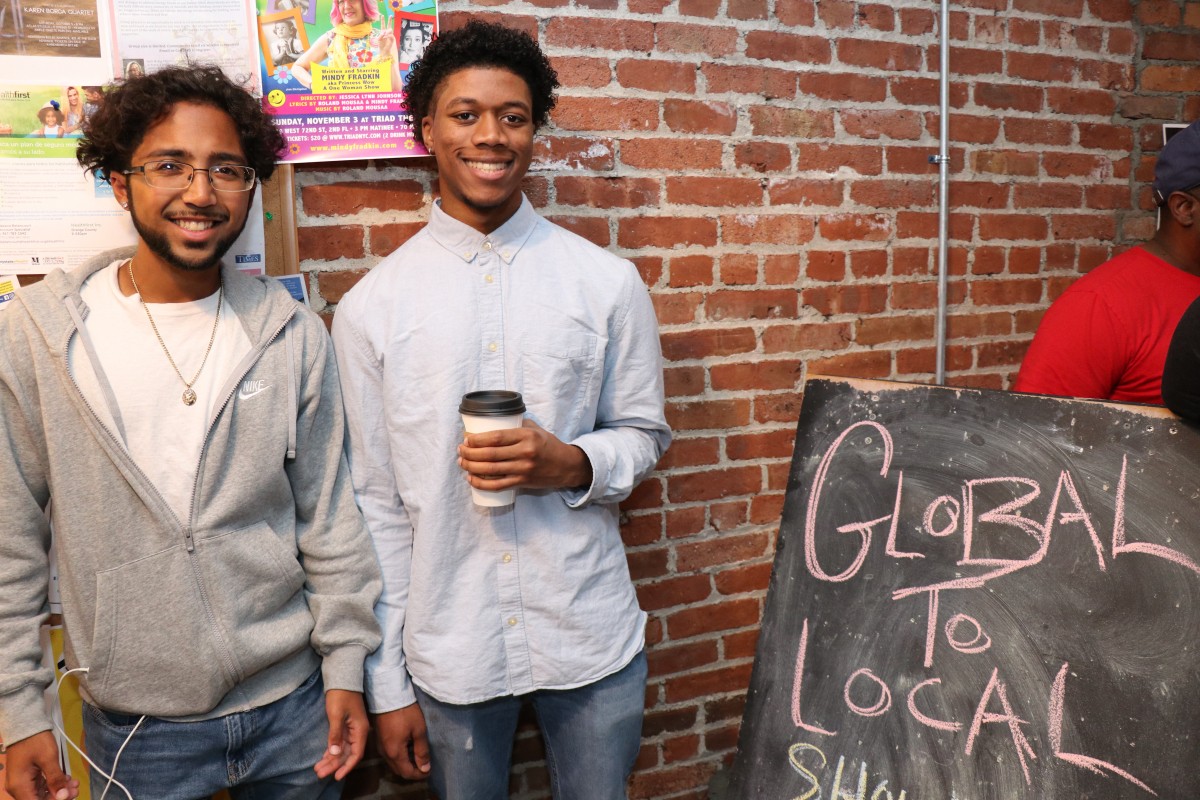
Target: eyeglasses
178, 175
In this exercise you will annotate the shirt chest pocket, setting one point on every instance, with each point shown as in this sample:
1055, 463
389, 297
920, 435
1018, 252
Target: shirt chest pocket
556, 373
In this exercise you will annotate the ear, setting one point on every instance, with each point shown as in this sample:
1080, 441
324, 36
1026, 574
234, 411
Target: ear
1184, 208
120, 187
426, 128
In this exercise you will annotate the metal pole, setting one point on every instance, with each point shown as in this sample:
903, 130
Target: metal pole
943, 160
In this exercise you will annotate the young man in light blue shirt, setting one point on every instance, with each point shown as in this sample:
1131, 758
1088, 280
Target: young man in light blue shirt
487, 608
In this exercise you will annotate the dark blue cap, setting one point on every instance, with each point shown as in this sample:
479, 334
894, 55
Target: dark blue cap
1178, 167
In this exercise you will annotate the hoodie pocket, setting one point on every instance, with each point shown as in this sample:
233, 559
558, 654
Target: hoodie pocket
152, 649
255, 586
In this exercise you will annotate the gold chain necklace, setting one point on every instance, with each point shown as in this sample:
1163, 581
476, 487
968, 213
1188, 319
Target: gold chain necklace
189, 394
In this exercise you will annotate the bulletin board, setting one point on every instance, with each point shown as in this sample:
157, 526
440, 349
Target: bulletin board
52, 215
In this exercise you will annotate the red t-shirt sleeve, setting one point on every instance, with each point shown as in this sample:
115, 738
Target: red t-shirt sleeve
1076, 351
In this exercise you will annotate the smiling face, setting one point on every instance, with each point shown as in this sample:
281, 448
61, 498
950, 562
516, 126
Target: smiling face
73, 97
352, 11
186, 229
480, 130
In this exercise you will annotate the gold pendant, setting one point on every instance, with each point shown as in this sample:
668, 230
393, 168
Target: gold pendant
189, 397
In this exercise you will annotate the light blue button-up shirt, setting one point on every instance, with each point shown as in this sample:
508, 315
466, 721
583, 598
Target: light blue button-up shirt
478, 602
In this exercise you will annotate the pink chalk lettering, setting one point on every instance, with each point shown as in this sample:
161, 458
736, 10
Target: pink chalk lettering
1120, 545
953, 511
1055, 713
973, 582
1002, 515
862, 529
881, 706
925, 719
890, 549
1079, 515
978, 644
796, 685
984, 717
931, 627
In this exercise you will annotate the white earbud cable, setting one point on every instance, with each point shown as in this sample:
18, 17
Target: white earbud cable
57, 720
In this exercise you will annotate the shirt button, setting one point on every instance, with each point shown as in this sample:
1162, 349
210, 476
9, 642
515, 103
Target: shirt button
507, 558
488, 278
512, 621
487, 245
491, 347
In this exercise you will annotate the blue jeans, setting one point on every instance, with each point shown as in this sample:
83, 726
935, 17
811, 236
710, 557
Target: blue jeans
267, 753
592, 736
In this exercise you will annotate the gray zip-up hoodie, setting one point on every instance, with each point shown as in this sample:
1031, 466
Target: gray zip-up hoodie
271, 574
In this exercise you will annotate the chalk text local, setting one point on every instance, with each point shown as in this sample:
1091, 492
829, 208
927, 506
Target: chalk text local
960, 515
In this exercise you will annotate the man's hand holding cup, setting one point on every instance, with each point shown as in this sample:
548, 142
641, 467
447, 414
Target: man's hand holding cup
502, 451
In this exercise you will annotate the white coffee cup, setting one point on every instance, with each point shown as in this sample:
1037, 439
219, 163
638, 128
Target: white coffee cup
492, 410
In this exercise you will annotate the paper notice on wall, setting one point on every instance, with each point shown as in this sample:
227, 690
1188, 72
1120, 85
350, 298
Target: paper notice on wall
51, 213
8, 290
296, 286
55, 216
213, 32
59, 41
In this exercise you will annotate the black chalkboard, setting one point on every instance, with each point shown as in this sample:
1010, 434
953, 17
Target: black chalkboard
979, 595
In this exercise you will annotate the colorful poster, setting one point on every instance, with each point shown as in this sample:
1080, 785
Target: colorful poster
51, 214
333, 74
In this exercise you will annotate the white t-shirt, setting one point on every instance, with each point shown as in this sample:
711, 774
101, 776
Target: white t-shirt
164, 436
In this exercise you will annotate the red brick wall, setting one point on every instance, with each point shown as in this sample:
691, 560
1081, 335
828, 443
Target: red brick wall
765, 164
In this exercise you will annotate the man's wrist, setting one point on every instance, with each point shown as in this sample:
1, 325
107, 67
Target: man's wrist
581, 474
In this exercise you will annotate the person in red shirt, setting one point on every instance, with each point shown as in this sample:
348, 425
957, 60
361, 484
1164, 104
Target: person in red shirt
1107, 336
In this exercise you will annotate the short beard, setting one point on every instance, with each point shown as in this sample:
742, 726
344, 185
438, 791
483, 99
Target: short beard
162, 248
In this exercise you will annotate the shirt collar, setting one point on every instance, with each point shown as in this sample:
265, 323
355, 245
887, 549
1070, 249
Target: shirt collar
465, 242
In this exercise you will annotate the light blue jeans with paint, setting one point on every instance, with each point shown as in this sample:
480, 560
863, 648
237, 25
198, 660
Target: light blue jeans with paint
592, 737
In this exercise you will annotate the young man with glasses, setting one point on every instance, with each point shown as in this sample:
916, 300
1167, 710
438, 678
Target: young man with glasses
1107, 336
183, 424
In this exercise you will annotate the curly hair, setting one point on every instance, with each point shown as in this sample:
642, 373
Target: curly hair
480, 44
130, 108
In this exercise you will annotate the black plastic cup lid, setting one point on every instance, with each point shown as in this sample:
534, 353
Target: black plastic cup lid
492, 403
